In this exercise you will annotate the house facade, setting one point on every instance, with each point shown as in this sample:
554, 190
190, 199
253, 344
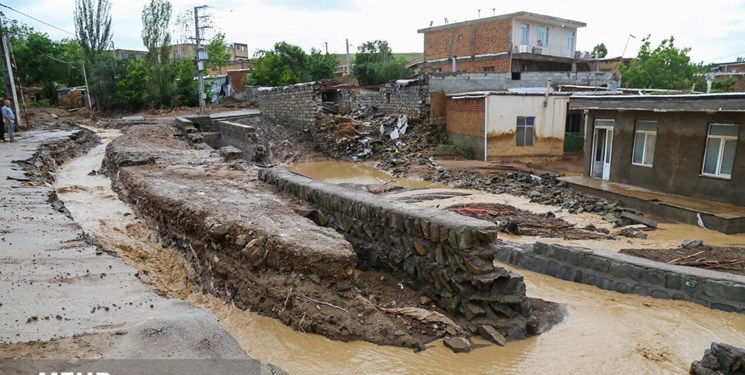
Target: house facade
513, 42
690, 145
508, 124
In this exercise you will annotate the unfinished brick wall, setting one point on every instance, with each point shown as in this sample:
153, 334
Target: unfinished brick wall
499, 64
295, 106
465, 119
468, 40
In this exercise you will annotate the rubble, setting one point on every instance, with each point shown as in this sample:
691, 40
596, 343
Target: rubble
720, 359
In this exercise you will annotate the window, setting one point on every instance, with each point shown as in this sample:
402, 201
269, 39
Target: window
543, 35
570, 44
488, 68
524, 131
644, 141
719, 157
524, 32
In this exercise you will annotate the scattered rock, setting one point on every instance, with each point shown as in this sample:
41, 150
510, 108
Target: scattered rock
230, 153
459, 344
491, 334
720, 359
692, 243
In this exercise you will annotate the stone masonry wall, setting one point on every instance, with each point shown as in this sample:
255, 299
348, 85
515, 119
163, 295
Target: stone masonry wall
411, 100
465, 82
628, 274
293, 106
446, 254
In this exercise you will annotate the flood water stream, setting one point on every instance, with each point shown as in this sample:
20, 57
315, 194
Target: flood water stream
604, 332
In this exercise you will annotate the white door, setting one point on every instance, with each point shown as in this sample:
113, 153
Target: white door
602, 145
607, 153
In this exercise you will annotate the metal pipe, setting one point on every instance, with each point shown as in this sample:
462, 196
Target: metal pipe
486, 125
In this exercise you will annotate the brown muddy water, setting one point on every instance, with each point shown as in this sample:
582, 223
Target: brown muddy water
604, 332
337, 172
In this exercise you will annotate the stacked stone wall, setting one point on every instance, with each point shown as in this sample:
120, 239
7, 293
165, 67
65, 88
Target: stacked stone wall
628, 274
448, 255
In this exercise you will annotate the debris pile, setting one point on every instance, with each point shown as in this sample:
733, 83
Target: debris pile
693, 253
512, 220
368, 133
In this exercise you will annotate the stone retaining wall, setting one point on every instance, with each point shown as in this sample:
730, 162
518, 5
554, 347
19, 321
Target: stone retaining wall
448, 255
628, 274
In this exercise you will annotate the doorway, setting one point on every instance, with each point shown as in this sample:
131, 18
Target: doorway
602, 149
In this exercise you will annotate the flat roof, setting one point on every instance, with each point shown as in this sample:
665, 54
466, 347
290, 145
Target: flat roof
721, 102
535, 16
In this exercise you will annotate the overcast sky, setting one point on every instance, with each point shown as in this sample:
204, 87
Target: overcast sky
714, 31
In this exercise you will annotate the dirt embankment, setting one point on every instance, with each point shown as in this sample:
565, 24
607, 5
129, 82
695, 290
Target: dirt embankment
247, 244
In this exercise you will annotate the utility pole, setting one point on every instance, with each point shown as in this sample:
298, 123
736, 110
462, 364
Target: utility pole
10, 84
349, 66
87, 90
327, 47
199, 60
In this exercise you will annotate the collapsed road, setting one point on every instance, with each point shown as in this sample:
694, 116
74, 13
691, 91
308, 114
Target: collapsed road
61, 297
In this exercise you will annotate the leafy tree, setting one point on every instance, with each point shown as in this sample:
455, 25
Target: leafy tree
599, 51
93, 26
726, 84
132, 89
665, 67
218, 56
321, 65
288, 64
156, 18
374, 63
40, 62
103, 77
186, 85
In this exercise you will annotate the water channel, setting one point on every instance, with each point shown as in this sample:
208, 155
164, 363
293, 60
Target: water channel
604, 332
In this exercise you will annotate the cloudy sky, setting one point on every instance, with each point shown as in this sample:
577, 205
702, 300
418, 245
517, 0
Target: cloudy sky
714, 31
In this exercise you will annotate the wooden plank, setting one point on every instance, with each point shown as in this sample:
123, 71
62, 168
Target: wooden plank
639, 219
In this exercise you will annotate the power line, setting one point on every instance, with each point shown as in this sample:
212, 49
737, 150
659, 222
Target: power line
36, 19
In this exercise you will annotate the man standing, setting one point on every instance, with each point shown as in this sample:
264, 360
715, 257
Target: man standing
9, 120
2, 126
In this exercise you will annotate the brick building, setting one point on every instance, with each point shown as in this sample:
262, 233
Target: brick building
515, 42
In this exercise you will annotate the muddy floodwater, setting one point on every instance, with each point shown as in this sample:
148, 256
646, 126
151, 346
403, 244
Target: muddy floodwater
604, 332
337, 172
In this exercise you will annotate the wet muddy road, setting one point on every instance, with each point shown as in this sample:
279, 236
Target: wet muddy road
604, 332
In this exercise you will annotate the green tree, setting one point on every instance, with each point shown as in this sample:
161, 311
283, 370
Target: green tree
186, 85
665, 67
218, 56
156, 18
374, 63
132, 89
103, 78
321, 65
93, 26
599, 51
40, 62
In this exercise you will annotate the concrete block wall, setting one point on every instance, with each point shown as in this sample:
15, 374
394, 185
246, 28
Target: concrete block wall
447, 255
466, 82
293, 106
628, 274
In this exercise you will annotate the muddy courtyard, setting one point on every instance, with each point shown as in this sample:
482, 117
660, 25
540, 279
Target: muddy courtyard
280, 275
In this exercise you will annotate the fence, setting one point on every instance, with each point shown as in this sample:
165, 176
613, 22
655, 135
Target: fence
573, 142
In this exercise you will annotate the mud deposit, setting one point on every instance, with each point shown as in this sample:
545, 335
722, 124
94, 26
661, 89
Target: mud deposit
725, 259
605, 332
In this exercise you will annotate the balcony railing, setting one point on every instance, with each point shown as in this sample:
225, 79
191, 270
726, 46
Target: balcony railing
550, 50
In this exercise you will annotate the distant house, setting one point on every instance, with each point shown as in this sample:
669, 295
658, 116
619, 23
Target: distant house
125, 54
238, 55
513, 42
513, 124
687, 145
732, 70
